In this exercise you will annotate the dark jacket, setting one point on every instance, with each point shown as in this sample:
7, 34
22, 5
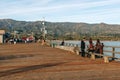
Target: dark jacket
82, 44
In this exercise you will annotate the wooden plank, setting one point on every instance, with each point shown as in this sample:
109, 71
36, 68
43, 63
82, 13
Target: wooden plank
111, 51
113, 46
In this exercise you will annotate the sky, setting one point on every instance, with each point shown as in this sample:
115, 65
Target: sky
88, 11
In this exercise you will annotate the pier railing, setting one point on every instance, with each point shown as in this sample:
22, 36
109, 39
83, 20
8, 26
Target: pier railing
113, 51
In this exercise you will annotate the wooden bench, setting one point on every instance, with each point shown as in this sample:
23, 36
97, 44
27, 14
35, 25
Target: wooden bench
106, 58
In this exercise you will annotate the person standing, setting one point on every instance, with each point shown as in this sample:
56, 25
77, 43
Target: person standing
101, 48
62, 44
98, 46
91, 46
83, 47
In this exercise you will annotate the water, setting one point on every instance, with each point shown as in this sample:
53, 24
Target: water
106, 43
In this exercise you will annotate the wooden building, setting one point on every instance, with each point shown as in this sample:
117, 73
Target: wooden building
2, 32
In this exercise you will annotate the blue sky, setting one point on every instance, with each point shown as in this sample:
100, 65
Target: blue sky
88, 11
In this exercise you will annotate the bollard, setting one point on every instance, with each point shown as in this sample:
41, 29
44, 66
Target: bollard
92, 56
106, 59
77, 52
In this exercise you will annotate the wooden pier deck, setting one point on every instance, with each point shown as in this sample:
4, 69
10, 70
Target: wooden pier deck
36, 62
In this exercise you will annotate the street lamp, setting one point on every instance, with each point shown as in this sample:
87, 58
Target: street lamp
43, 30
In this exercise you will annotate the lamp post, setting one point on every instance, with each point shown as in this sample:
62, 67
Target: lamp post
43, 30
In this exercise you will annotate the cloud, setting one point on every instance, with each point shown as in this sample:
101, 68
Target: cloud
107, 16
61, 10
35, 6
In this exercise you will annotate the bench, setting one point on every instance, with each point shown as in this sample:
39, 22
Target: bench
106, 58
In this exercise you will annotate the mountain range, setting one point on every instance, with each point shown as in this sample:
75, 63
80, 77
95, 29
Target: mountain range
61, 29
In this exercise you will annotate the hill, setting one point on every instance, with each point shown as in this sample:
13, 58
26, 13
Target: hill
66, 30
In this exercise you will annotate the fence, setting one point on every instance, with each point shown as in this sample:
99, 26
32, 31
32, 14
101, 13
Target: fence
113, 51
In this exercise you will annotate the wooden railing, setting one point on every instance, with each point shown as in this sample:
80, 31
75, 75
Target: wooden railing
112, 51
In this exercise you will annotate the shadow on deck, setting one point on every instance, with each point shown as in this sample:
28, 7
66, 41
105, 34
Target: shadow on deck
15, 56
28, 68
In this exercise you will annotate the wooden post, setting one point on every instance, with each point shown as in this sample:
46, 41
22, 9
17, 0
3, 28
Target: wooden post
113, 52
106, 59
92, 56
76, 49
77, 52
